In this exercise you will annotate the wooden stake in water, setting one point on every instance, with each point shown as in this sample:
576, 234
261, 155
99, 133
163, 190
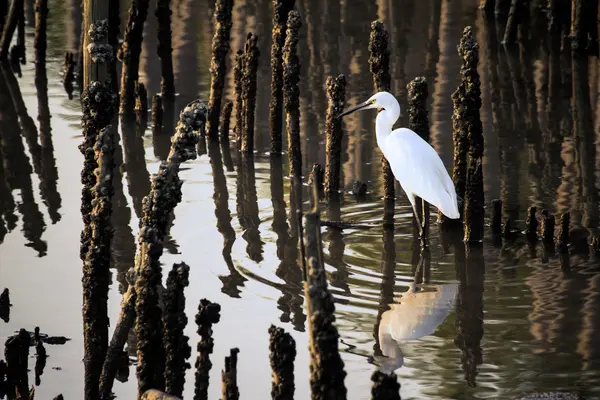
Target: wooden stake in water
130, 55
385, 386
230, 389
99, 108
39, 40
459, 138
326, 366
177, 348
418, 121
141, 104
157, 115
97, 52
208, 314
379, 63
96, 275
154, 394
281, 9
218, 67
562, 241
547, 228
10, 26
336, 95
532, 224
291, 93
316, 177
225, 120
282, 349
167, 80
158, 206
249, 84
238, 71
469, 132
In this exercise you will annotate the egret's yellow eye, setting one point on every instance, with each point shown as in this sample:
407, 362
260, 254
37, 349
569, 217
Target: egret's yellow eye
373, 101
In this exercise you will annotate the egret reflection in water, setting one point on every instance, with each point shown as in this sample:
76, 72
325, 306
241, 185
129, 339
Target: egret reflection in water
415, 314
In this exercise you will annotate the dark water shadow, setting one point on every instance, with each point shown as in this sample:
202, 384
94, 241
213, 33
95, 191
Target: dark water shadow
335, 236
17, 167
8, 220
510, 137
386, 288
470, 271
49, 172
134, 166
247, 207
161, 142
291, 301
123, 245
234, 281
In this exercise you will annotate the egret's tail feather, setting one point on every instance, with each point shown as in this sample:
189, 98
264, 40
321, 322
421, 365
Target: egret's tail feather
449, 207
452, 214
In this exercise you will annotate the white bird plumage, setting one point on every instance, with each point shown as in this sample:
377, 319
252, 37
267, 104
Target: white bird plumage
414, 163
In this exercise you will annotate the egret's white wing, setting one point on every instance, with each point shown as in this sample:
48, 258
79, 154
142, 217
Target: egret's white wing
420, 171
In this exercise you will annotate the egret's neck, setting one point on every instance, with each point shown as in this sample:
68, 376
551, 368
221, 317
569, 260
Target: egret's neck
383, 127
394, 358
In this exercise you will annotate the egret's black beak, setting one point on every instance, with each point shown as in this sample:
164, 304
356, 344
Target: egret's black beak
357, 108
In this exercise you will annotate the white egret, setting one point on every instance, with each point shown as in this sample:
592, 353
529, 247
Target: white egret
415, 314
414, 162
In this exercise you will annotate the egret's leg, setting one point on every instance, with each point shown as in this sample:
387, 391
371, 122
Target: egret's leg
425, 222
421, 231
414, 207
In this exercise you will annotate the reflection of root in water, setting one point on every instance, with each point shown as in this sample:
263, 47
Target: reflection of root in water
8, 219
247, 207
16, 163
123, 243
469, 264
49, 172
338, 278
138, 178
233, 281
386, 289
291, 301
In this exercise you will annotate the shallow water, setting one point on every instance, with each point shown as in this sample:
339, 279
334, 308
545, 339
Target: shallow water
522, 321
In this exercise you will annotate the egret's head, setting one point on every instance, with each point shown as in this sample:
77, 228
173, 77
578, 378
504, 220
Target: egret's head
382, 101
